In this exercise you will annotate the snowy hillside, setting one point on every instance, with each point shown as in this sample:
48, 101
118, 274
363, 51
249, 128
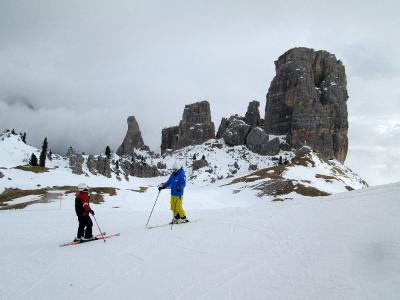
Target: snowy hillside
14, 152
237, 168
344, 246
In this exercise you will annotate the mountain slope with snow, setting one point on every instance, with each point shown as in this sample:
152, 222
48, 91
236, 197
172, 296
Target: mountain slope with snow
306, 174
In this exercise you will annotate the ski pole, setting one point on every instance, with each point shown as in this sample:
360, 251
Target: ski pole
148, 220
101, 232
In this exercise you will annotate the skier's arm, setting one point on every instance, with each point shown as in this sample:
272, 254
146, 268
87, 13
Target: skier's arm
182, 180
78, 207
168, 183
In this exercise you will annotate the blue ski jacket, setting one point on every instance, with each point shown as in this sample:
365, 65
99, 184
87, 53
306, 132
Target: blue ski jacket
177, 181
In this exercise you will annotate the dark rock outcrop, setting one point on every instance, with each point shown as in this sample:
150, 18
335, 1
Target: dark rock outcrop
195, 128
256, 139
133, 138
198, 164
307, 101
271, 148
169, 138
222, 127
1, 175
161, 166
252, 116
258, 142
75, 163
253, 167
234, 130
99, 166
139, 169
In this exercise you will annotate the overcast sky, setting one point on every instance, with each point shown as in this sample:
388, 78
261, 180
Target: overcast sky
75, 70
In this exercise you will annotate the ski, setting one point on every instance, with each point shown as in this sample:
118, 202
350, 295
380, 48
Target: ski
165, 225
96, 238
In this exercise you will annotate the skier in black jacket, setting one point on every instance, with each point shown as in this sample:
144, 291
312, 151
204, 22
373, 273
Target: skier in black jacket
82, 210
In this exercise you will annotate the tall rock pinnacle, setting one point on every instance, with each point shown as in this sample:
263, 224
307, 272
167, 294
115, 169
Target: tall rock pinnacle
307, 101
195, 128
133, 138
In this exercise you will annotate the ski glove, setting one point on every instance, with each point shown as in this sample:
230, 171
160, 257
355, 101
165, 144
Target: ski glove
160, 188
91, 212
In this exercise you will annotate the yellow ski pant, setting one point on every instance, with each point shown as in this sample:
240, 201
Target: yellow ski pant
176, 206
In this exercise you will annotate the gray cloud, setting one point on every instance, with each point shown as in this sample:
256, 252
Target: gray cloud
86, 65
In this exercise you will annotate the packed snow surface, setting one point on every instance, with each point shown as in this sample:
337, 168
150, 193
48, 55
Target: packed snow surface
345, 246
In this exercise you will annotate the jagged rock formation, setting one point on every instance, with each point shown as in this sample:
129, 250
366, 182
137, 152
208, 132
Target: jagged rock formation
99, 165
75, 163
133, 138
1, 175
234, 130
252, 116
307, 101
139, 169
169, 138
195, 128
247, 131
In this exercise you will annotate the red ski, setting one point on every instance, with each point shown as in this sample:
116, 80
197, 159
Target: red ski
96, 238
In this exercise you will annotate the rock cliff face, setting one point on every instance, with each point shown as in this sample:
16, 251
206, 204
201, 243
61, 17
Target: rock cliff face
195, 128
307, 101
133, 138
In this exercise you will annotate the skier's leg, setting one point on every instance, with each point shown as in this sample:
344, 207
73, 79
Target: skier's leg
173, 209
81, 228
179, 208
89, 225
173, 205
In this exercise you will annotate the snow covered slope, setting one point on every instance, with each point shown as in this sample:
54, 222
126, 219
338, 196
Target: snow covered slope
14, 152
345, 246
306, 174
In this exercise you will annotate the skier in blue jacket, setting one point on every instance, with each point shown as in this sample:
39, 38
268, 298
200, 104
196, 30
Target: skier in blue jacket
177, 183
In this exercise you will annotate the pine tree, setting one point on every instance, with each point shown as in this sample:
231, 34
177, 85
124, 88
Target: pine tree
50, 154
108, 152
42, 158
24, 137
33, 161
13, 131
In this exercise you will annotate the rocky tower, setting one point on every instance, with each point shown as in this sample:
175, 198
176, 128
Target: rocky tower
252, 116
133, 138
195, 128
307, 101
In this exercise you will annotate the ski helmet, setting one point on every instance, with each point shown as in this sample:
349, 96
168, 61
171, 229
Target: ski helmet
176, 166
83, 187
